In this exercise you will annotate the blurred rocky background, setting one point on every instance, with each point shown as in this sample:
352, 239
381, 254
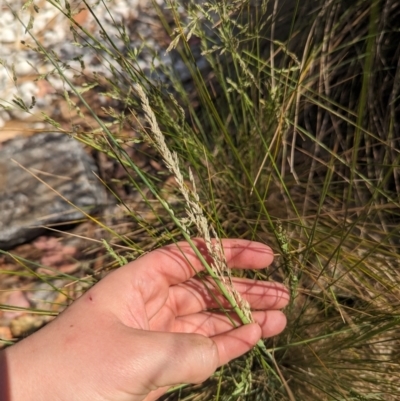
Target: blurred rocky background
54, 205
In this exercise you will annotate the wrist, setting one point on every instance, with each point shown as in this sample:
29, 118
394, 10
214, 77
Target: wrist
13, 379
20, 375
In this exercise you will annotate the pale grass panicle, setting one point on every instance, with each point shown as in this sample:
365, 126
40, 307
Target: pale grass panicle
194, 211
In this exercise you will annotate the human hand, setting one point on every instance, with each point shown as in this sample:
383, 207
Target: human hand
144, 328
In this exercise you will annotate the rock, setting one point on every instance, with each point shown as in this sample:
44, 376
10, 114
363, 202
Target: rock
50, 296
25, 325
18, 302
5, 336
27, 205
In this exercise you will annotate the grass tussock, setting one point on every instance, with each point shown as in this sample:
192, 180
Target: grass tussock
282, 126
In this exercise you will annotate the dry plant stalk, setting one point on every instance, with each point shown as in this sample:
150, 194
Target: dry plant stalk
194, 211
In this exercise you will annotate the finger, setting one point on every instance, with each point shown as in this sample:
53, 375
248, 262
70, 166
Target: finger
211, 324
192, 358
197, 295
178, 358
147, 279
236, 342
178, 262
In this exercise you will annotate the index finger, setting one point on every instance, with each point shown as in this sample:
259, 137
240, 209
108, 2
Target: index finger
178, 262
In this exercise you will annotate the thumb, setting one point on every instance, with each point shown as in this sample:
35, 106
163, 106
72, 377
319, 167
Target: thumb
193, 358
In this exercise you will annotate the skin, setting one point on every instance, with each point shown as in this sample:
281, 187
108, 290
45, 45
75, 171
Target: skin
142, 329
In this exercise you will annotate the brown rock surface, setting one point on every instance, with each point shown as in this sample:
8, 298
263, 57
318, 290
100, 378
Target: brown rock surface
39, 176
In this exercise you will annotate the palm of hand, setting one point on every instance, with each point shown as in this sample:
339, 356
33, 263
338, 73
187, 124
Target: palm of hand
150, 325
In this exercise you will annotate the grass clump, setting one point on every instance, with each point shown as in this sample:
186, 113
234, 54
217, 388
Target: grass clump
287, 114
